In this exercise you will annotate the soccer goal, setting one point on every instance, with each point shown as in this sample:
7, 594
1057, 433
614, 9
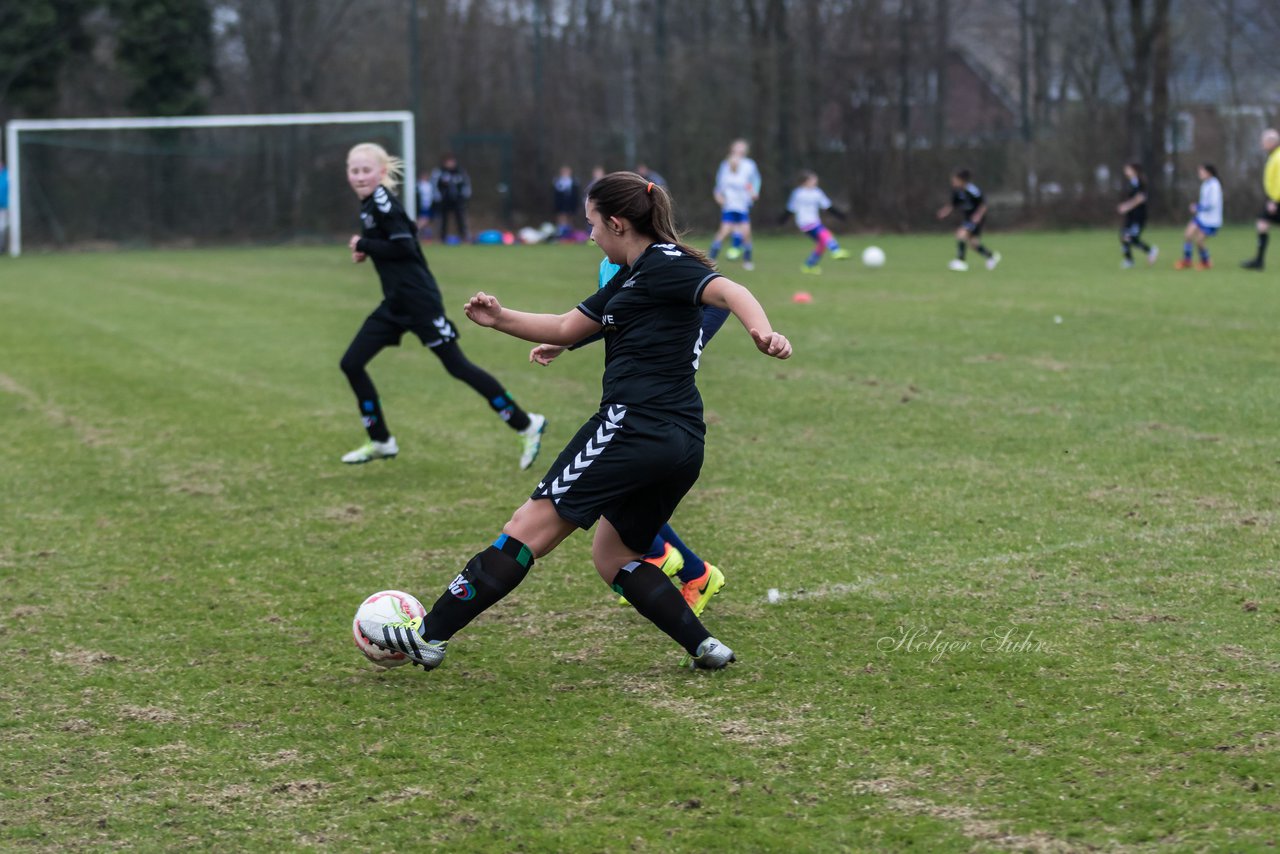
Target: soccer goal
198, 180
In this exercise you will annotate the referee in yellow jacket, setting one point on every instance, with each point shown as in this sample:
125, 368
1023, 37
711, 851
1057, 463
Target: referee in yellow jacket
1271, 184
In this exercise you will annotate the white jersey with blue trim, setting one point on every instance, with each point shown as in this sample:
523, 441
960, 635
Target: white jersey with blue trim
808, 203
1209, 208
739, 187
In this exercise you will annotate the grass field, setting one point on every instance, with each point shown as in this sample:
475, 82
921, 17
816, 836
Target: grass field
1024, 526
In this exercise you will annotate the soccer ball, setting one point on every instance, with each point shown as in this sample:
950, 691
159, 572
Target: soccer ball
873, 256
385, 605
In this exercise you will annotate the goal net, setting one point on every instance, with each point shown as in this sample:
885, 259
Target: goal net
83, 183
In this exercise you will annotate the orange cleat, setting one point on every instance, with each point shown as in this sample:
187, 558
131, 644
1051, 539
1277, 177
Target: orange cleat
670, 561
1204, 265
1182, 264
699, 591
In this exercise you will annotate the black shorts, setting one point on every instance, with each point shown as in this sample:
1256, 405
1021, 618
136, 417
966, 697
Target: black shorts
974, 228
386, 326
627, 467
1267, 216
1133, 227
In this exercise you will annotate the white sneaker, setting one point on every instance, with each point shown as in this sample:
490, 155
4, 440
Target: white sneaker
404, 636
1153, 254
372, 451
993, 260
958, 266
1126, 264
748, 266
712, 655
532, 438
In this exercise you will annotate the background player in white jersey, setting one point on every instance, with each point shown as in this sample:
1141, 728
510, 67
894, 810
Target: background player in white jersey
411, 302
737, 188
741, 150
1206, 219
806, 204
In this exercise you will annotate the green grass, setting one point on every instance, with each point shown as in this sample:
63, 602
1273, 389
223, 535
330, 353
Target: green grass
941, 461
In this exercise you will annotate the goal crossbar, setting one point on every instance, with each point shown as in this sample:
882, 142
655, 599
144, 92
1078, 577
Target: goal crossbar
15, 127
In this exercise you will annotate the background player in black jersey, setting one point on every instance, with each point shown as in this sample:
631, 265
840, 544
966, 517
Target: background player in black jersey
411, 303
632, 462
966, 196
1134, 209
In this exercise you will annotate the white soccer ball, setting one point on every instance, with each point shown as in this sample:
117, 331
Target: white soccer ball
873, 256
385, 606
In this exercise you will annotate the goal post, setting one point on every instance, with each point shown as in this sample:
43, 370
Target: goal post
76, 134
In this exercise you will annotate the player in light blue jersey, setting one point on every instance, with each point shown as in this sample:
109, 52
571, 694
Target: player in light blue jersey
697, 579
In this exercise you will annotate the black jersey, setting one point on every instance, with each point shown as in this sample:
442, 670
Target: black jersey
652, 318
967, 198
390, 239
1132, 188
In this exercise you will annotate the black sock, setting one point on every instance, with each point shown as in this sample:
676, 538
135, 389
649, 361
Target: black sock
509, 411
651, 593
961, 246
1128, 251
370, 407
983, 251
1137, 241
1263, 237
353, 366
488, 577
371, 412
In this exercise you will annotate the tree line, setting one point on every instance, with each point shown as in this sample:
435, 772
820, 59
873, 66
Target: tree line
1043, 99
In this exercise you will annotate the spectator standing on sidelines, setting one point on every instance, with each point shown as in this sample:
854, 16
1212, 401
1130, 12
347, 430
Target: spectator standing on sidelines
452, 192
567, 200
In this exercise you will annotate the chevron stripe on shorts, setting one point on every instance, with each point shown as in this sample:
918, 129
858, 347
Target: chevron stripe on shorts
584, 458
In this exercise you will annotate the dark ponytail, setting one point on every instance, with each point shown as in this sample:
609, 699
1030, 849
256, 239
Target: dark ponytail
1210, 168
645, 205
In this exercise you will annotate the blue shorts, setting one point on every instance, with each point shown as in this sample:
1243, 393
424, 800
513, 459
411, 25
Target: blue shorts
1209, 230
735, 217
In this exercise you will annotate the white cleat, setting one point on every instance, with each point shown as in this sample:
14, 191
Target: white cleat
712, 655
404, 636
1153, 254
748, 266
532, 438
372, 450
958, 266
993, 260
